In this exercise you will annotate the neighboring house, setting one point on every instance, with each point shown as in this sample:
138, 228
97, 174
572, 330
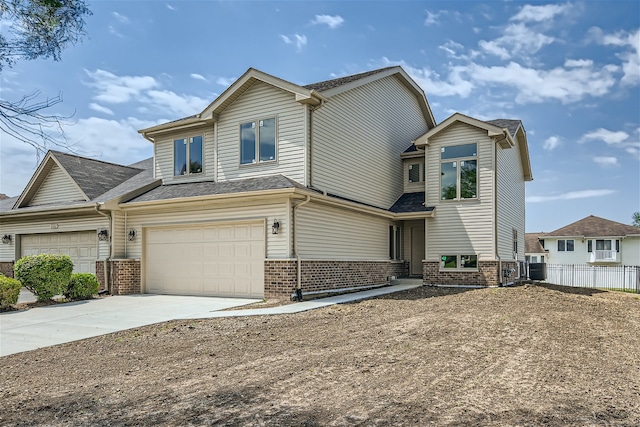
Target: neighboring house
594, 241
276, 187
534, 251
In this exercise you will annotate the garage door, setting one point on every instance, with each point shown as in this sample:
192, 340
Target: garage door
211, 260
80, 246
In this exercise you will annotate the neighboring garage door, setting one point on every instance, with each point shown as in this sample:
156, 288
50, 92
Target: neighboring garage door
81, 246
211, 260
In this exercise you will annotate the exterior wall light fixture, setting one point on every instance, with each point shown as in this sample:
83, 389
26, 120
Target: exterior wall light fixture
275, 227
103, 235
131, 235
6, 239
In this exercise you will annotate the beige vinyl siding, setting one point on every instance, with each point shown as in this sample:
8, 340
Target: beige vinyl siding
511, 202
358, 137
263, 101
465, 226
119, 234
164, 156
330, 233
277, 244
57, 187
64, 224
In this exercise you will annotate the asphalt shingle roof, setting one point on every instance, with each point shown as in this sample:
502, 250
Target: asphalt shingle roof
94, 177
509, 124
593, 226
410, 203
195, 189
532, 244
333, 83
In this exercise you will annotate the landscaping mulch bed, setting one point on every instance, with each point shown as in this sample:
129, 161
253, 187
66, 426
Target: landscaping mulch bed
521, 356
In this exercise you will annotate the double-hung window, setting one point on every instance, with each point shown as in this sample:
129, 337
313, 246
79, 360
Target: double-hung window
258, 141
565, 245
187, 155
458, 172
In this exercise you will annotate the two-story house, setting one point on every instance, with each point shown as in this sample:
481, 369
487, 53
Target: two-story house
594, 241
277, 187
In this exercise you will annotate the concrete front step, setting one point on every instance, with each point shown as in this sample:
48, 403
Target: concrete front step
407, 281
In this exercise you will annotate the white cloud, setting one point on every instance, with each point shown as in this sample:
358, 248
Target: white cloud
571, 195
551, 143
332, 21
121, 18
432, 18
113, 89
432, 83
298, 40
530, 13
145, 90
630, 58
225, 81
606, 160
100, 108
183, 105
170, 7
605, 135
532, 85
196, 76
115, 32
452, 49
517, 39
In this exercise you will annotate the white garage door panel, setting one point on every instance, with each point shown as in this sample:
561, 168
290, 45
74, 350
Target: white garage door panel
213, 260
80, 246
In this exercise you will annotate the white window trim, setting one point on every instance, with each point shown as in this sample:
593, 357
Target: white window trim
459, 267
458, 160
257, 147
188, 156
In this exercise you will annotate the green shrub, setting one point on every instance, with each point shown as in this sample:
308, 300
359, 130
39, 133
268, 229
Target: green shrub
45, 275
9, 291
82, 286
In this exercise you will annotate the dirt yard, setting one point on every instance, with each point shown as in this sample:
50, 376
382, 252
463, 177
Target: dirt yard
522, 356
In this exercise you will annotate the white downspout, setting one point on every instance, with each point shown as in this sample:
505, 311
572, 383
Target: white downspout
105, 262
495, 211
295, 247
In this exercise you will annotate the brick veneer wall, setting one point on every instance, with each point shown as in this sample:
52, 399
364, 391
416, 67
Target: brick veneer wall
488, 274
6, 268
124, 275
281, 276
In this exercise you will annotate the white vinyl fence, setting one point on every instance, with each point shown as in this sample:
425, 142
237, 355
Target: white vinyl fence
620, 278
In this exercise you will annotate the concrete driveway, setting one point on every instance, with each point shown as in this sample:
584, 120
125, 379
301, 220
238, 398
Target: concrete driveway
56, 324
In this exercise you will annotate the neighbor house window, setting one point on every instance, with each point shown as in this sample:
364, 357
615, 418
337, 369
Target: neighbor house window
258, 141
415, 174
187, 157
565, 245
458, 262
458, 172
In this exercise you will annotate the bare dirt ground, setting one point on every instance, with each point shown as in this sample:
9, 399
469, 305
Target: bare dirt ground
522, 356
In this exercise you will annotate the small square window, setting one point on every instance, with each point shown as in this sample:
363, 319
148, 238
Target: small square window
449, 261
414, 172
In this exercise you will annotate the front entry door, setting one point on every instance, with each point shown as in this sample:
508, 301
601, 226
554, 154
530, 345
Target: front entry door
417, 250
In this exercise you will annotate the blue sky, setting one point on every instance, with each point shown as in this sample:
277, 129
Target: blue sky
570, 71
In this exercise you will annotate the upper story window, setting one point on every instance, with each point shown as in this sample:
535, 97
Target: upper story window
458, 172
187, 157
565, 245
416, 172
258, 141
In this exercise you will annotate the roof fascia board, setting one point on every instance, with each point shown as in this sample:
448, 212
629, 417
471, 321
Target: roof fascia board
415, 215
413, 154
113, 204
302, 95
492, 130
192, 123
131, 206
523, 145
90, 207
